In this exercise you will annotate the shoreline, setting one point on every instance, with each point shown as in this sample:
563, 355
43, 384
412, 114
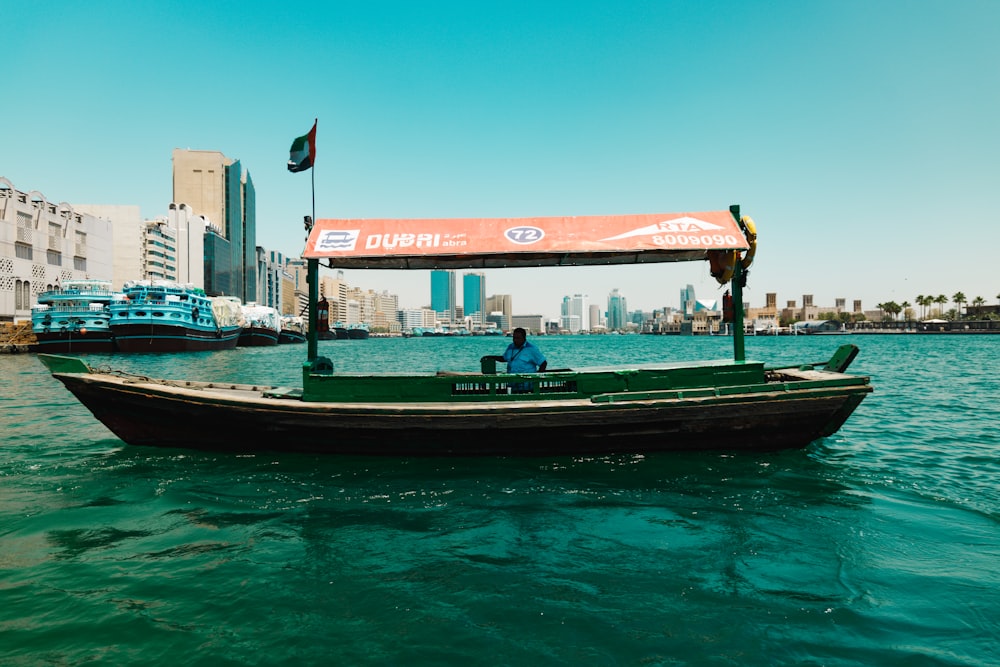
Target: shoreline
30, 348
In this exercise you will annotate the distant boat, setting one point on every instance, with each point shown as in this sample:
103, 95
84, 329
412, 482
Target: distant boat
293, 330
163, 316
74, 318
357, 331
261, 326
820, 327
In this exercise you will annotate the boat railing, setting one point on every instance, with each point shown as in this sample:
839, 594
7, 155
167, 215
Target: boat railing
60, 308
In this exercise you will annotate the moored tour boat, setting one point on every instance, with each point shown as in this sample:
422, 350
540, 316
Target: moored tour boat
357, 331
163, 316
719, 405
74, 318
261, 326
293, 330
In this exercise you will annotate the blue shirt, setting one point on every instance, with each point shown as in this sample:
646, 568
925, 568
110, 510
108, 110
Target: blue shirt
525, 359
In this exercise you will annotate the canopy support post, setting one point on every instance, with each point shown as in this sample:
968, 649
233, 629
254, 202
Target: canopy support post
739, 351
312, 278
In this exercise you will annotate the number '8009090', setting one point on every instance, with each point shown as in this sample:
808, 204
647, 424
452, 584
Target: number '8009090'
711, 240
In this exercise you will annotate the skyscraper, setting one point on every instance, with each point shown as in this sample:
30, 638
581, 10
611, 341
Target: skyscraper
617, 311
474, 296
688, 301
443, 294
575, 313
217, 188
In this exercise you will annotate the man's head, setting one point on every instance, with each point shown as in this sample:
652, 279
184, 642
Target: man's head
519, 337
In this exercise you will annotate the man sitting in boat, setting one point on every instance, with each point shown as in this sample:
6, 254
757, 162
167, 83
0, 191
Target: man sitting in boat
522, 356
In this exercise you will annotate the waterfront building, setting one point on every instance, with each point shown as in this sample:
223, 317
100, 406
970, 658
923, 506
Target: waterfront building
364, 311
530, 323
503, 304
417, 318
289, 297
189, 229
334, 290
127, 231
218, 259
498, 321
386, 312
42, 245
474, 297
297, 269
596, 318
687, 300
159, 250
217, 188
443, 294
268, 288
574, 313
353, 312
169, 247
618, 310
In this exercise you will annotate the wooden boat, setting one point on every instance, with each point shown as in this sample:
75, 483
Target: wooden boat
261, 326
719, 405
163, 316
292, 330
74, 318
357, 331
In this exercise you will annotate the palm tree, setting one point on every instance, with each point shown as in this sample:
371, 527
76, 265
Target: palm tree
979, 302
940, 300
920, 302
903, 306
959, 299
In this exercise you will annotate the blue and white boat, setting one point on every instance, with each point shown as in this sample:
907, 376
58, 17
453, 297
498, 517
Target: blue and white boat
163, 316
74, 318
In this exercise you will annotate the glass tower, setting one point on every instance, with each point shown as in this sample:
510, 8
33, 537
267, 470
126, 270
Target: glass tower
443, 294
474, 296
617, 311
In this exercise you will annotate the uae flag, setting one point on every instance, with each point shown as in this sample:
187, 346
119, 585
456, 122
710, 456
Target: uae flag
303, 152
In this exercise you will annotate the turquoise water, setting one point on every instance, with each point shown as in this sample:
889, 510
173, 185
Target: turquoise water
877, 546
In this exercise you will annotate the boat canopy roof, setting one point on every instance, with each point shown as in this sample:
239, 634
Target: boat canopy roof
509, 242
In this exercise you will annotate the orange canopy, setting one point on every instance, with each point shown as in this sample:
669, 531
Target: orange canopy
502, 242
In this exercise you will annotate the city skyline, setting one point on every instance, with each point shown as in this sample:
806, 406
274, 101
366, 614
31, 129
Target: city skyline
866, 156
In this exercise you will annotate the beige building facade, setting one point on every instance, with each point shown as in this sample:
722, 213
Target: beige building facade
43, 244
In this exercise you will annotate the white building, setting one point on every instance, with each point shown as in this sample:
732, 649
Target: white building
43, 244
170, 247
190, 234
411, 318
127, 230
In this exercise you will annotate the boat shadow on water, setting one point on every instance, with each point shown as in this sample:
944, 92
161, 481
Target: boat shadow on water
797, 477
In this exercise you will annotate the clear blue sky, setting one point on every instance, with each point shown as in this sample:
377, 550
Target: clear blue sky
863, 137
